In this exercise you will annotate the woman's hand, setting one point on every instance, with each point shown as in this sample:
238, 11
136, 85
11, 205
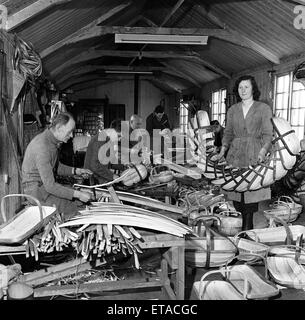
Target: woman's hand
261, 155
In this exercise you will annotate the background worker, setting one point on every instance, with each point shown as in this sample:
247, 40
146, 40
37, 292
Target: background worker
157, 121
101, 171
218, 131
40, 165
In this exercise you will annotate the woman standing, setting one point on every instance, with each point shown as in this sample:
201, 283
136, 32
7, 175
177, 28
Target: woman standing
247, 137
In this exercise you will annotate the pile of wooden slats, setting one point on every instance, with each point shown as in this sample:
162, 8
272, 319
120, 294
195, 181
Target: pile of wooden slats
119, 214
103, 229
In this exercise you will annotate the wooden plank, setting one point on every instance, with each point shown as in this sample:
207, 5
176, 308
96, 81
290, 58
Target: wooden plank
180, 274
4, 250
171, 256
102, 30
172, 12
93, 53
30, 11
55, 272
145, 201
16, 151
96, 287
139, 295
60, 274
113, 194
169, 291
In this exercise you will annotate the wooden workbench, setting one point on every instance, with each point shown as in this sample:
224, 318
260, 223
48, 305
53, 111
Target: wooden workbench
172, 255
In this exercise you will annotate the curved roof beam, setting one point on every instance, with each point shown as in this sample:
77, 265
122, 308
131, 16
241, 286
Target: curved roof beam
94, 54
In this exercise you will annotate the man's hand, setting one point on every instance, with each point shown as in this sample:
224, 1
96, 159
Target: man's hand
82, 195
83, 172
220, 156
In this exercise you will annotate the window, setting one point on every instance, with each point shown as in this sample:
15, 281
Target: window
218, 105
290, 102
184, 113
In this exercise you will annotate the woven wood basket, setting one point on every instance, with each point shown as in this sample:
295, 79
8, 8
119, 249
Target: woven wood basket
213, 250
158, 176
230, 222
250, 250
286, 270
282, 210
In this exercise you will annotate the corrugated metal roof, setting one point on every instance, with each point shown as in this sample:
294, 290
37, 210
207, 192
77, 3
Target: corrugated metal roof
61, 21
268, 23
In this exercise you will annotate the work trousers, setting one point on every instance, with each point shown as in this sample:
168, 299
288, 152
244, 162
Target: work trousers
247, 210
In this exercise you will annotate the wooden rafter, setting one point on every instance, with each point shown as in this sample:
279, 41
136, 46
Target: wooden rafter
170, 14
94, 54
239, 39
92, 83
30, 11
88, 29
93, 77
92, 31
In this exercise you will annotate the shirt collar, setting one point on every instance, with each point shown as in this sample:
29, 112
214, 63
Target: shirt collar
51, 138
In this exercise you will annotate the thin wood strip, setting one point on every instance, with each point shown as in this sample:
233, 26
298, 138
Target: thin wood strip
95, 287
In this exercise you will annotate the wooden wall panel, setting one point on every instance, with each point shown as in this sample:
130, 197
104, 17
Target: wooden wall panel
9, 178
122, 92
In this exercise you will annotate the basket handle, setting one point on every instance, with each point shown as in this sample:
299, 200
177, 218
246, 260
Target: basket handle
218, 203
203, 278
289, 237
217, 234
245, 231
228, 213
256, 255
202, 219
298, 250
289, 199
20, 195
246, 282
197, 208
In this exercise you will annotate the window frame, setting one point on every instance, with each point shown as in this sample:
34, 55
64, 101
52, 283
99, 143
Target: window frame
290, 108
221, 106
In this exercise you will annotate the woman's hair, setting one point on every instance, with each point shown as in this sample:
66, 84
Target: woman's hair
116, 124
61, 118
214, 123
256, 93
159, 109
